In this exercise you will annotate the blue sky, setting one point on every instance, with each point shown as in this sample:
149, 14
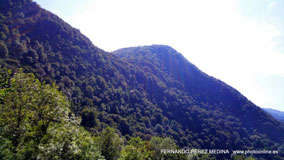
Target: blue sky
237, 41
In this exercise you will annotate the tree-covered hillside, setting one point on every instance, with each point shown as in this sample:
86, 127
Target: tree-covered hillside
141, 91
36, 123
219, 113
275, 113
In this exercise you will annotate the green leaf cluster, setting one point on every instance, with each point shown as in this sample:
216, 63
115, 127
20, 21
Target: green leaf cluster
136, 149
36, 123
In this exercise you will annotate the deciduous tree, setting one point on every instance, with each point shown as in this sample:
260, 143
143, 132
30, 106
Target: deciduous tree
36, 123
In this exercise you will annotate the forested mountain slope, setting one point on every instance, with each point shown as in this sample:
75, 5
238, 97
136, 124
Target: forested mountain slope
142, 91
275, 113
225, 106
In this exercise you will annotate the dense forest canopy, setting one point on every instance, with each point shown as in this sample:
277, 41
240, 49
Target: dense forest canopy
146, 92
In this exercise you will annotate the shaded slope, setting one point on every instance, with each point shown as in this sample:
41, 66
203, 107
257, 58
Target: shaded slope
148, 91
104, 90
42, 43
225, 105
275, 113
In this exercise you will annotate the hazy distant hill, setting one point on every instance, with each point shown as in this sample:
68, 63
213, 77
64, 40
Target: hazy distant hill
141, 91
275, 113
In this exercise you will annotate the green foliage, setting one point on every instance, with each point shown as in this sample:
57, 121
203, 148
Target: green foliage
5, 148
36, 123
4, 52
158, 144
124, 127
212, 113
110, 144
142, 91
239, 157
89, 118
4, 82
201, 157
68, 141
281, 149
242, 157
136, 149
4, 28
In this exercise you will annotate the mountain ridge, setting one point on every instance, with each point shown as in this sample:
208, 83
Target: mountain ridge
279, 115
196, 74
142, 91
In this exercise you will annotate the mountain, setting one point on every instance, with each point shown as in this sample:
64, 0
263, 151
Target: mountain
275, 113
142, 91
225, 106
